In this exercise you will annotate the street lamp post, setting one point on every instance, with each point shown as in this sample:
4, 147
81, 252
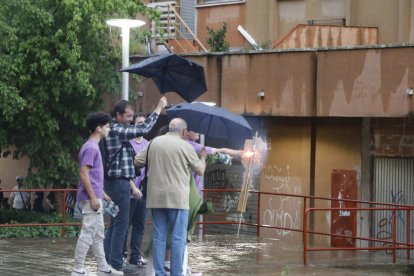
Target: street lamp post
125, 25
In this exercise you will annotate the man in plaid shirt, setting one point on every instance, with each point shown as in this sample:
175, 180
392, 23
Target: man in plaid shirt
121, 171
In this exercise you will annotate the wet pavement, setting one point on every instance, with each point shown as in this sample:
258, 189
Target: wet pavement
213, 255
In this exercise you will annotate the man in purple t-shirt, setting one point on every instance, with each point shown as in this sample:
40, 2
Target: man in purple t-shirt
90, 195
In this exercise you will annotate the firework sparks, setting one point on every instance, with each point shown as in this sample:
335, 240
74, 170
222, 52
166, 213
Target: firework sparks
248, 154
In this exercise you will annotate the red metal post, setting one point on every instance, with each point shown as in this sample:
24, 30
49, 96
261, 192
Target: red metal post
304, 207
394, 236
408, 234
305, 226
64, 214
203, 231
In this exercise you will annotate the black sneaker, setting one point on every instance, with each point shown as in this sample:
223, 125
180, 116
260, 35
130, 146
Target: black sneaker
167, 271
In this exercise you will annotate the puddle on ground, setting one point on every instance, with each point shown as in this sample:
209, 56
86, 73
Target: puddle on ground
212, 254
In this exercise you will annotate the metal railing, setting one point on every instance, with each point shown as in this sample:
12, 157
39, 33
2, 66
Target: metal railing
389, 244
62, 224
176, 28
393, 245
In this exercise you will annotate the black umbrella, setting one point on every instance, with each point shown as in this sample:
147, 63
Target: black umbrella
172, 73
212, 121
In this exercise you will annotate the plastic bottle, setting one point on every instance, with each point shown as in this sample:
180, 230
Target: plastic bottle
111, 208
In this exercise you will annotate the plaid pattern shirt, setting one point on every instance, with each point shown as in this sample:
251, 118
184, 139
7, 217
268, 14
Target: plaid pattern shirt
122, 165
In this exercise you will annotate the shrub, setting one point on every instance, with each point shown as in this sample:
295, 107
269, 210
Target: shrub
216, 39
12, 217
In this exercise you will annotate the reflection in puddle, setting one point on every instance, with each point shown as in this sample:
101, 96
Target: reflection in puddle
213, 255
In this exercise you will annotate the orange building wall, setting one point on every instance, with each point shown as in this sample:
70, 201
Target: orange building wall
214, 16
286, 78
272, 20
338, 147
368, 82
286, 170
360, 82
315, 36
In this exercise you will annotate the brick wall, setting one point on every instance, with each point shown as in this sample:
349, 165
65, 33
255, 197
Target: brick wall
392, 137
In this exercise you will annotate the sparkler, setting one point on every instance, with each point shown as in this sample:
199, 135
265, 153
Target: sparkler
251, 158
248, 154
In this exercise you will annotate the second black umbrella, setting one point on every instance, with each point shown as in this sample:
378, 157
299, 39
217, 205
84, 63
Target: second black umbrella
172, 73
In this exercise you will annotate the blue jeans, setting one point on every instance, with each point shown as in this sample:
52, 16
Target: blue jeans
120, 191
176, 220
137, 219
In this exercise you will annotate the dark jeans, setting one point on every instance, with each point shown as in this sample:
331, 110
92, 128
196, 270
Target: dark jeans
137, 219
120, 192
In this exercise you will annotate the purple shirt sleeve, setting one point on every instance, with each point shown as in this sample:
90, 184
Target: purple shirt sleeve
138, 147
87, 157
198, 147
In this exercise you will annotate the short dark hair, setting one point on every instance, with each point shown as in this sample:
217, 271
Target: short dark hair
136, 115
120, 107
96, 119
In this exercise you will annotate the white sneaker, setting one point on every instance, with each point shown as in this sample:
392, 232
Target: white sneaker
142, 262
83, 272
110, 271
190, 272
167, 268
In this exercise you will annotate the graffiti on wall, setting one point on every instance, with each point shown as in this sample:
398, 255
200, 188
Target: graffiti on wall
282, 211
216, 179
225, 204
230, 202
385, 224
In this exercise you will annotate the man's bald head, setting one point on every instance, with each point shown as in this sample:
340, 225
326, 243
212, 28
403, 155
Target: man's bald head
177, 125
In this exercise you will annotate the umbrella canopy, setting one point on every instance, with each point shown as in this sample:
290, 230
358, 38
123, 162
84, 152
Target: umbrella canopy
212, 121
172, 73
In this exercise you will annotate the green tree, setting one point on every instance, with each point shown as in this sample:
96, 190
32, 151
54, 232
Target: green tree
56, 60
216, 39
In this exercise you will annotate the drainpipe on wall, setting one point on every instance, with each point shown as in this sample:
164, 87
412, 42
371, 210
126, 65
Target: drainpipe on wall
366, 188
312, 167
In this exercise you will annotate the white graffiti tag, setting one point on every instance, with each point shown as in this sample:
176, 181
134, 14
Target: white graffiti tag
282, 211
282, 217
230, 202
274, 173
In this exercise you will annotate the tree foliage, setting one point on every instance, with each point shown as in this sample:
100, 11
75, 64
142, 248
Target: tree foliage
56, 60
216, 39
